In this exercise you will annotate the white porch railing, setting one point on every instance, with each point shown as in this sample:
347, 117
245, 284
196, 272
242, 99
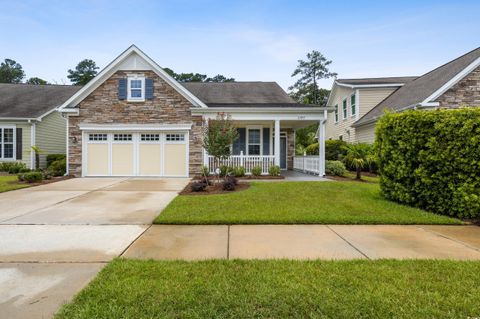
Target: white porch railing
307, 164
247, 161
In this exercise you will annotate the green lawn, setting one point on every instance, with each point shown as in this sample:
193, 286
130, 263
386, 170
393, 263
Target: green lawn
281, 289
371, 179
9, 183
297, 203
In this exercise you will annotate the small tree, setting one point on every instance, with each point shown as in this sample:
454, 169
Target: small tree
218, 135
11, 72
36, 81
37, 152
358, 156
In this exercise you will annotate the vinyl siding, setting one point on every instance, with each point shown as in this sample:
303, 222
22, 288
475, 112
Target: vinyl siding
51, 136
365, 133
367, 99
26, 135
334, 130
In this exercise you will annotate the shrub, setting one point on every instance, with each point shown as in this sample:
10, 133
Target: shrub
359, 156
58, 168
55, 157
334, 150
205, 171
238, 171
274, 170
12, 167
225, 170
228, 185
256, 171
232, 179
336, 168
198, 186
431, 160
31, 177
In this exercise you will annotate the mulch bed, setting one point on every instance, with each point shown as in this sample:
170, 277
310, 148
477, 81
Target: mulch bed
216, 188
246, 177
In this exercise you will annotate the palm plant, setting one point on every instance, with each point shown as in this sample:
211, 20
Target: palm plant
358, 156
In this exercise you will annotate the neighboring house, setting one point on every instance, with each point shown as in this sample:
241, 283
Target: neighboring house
133, 119
28, 118
452, 85
352, 99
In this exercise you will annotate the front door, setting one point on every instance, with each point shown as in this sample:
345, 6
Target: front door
283, 152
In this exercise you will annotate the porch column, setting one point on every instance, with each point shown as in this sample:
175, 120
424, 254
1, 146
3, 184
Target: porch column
277, 142
321, 147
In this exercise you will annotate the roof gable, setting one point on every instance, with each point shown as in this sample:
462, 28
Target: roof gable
425, 89
130, 60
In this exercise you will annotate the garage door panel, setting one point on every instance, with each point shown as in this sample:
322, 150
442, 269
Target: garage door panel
149, 159
175, 159
122, 159
97, 160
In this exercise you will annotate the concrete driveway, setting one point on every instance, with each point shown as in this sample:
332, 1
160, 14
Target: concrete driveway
55, 238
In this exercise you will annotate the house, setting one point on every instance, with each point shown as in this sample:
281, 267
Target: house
133, 119
351, 99
452, 85
28, 118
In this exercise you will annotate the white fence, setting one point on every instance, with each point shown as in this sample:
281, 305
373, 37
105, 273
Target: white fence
247, 161
307, 164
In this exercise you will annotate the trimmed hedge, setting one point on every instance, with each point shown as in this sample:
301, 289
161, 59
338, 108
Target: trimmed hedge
431, 159
55, 157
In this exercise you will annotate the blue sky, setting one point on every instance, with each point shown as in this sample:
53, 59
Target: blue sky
247, 40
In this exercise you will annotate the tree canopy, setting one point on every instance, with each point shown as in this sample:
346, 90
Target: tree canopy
83, 73
197, 77
36, 80
11, 72
314, 68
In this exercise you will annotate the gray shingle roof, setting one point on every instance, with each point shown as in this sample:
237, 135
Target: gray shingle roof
418, 90
370, 81
239, 93
31, 101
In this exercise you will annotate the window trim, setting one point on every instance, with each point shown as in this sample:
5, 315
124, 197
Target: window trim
254, 127
129, 88
336, 114
353, 107
344, 109
14, 142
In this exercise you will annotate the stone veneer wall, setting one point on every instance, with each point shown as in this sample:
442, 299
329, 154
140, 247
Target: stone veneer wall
103, 107
464, 93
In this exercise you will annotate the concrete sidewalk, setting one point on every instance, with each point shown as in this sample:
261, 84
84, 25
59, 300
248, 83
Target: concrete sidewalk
168, 242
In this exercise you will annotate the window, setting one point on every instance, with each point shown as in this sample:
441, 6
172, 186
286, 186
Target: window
336, 113
97, 137
340, 137
7, 143
136, 89
150, 137
254, 142
122, 137
175, 137
344, 108
353, 108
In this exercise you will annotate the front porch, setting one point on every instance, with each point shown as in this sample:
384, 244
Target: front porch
269, 143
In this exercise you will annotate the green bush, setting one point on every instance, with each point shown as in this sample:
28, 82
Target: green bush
274, 170
58, 167
225, 170
55, 157
336, 168
334, 150
205, 171
431, 159
256, 171
12, 167
238, 171
31, 177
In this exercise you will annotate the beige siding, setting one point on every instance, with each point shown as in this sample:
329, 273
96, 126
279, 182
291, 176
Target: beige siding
366, 133
341, 128
26, 135
368, 98
51, 136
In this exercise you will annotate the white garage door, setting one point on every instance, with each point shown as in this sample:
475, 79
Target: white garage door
136, 154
